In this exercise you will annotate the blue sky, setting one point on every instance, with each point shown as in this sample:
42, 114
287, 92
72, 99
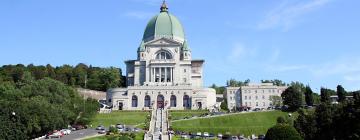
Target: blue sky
316, 42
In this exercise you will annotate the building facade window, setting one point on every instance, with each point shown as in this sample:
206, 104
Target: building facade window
147, 101
163, 55
186, 102
173, 101
134, 101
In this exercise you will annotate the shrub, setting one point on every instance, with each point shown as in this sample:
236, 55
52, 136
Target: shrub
282, 132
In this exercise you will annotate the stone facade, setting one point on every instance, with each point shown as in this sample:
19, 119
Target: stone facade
252, 95
164, 75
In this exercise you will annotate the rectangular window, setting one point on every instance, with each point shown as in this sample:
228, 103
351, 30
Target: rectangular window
245, 97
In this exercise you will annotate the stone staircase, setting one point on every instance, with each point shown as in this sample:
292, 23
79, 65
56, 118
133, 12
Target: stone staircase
159, 125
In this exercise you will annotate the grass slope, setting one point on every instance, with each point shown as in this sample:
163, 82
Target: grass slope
179, 114
123, 117
247, 123
139, 136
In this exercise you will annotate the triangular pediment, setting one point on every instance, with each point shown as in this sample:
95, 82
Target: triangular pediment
163, 41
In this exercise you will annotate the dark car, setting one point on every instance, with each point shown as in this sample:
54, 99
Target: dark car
261, 137
78, 127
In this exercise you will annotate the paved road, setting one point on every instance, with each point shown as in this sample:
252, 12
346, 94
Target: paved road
79, 134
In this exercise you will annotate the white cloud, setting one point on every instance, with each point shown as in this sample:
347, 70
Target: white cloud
239, 52
139, 15
285, 15
342, 66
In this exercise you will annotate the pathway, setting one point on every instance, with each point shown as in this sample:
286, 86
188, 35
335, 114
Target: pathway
158, 129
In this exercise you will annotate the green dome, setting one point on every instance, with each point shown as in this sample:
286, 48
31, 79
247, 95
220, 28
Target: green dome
164, 25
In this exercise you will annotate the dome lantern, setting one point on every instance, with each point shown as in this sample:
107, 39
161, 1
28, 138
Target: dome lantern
164, 7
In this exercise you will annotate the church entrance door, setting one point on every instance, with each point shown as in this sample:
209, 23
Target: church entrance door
199, 105
121, 106
160, 101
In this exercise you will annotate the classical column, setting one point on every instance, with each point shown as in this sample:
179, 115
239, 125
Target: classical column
153, 80
171, 74
165, 78
160, 74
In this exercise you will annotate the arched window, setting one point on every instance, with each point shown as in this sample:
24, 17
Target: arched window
134, 101
147, 101
163, 55
173, 101
186, 101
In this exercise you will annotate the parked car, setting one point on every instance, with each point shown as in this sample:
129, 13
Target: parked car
206, 134
102, 132
121, 129
198, 134
261, 137
120, 125
100, 127
56, 134
257, 109
136, 129
234, 138
220, 135
78, 127
66, 131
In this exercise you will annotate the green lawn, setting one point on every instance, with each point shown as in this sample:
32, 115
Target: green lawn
123, 117
139, 136
247, 123
181, 114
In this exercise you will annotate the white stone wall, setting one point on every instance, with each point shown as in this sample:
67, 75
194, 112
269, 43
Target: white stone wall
206, 96
253, 95
186, 79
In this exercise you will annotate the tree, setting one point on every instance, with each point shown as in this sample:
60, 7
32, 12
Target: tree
276, 82
340, 91
305, 124
324, 119
275, 100
325, 95
309, 96
282, 132
292, 97
235, 83
223, 105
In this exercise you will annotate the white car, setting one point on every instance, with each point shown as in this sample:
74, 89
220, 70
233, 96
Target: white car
198, 134
206, 134
66, 131
220, 135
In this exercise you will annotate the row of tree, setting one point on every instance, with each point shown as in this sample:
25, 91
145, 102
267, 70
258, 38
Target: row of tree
296, 95
31, 108
328, 120
81, 75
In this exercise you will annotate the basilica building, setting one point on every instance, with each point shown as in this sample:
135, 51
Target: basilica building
164, 75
